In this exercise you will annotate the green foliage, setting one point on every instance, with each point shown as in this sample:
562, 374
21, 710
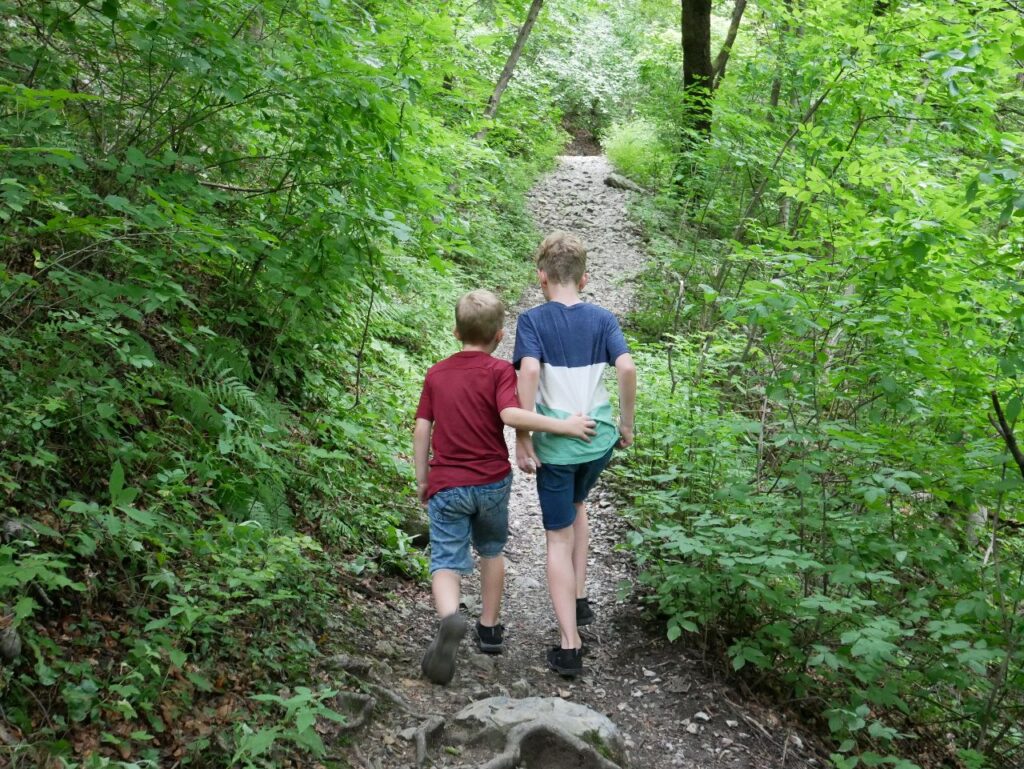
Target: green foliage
637, 152
231, 239
820, 493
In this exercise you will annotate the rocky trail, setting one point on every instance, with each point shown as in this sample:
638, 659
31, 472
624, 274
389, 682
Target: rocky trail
642, 701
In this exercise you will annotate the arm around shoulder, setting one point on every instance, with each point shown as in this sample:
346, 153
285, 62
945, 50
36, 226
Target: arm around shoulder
577, 426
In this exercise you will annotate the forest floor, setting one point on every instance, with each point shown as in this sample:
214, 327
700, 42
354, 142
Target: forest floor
673, 708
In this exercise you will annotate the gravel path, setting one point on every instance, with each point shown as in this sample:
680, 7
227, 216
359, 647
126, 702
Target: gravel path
672, 708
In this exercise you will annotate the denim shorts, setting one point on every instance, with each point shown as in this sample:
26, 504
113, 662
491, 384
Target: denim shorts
561, 487
464, 513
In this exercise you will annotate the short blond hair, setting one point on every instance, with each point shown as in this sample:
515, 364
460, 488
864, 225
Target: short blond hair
479, 316
562, 256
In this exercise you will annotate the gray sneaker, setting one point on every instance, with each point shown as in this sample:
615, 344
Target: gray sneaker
439, 661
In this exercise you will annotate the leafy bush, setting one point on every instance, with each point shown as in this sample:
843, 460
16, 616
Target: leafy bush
230, 240
636, 150
822, 495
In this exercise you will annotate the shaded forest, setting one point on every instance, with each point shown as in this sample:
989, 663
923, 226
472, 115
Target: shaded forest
231, 234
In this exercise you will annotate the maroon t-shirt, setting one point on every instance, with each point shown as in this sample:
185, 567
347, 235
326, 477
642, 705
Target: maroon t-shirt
463, 396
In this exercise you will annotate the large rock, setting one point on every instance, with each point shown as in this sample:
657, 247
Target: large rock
621, 182
490, 721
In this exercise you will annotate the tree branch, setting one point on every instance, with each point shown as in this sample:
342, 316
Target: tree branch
510, 64
1006, 432
723, 55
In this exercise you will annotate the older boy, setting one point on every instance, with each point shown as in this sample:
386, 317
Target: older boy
466, 400
562, 349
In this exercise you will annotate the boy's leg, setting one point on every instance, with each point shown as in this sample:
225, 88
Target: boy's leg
490, 533
562, 584
585, 478
492, 585
446, 585
580, 548
449, 559
555, 488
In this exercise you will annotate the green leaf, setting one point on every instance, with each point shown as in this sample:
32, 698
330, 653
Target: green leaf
23, 608
304, 720
255, 744
116, 483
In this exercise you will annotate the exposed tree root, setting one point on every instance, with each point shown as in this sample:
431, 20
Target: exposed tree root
368, 763
361, 671
426, 731
396, 699
355, 666
366, 705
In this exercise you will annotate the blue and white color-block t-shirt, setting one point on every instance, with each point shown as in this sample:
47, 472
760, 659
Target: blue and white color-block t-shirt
574, 344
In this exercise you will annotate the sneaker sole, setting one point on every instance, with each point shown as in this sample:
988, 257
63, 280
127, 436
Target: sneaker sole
487, 648
439, 661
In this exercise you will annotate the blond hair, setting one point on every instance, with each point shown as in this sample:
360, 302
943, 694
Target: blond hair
479, 316
562, 256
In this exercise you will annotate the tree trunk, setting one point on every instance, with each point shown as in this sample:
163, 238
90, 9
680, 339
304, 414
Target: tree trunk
510, 64
698, 74
723, 55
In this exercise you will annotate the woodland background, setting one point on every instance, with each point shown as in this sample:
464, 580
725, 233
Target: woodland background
231, 234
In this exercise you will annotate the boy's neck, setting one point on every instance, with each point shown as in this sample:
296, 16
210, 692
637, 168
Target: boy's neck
478, 348
563, 293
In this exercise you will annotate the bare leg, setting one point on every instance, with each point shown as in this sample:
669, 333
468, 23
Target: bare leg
492, 584
580, 548
562, 584
447, 587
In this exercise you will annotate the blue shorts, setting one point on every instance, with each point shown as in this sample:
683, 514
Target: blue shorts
562, 487
463, 513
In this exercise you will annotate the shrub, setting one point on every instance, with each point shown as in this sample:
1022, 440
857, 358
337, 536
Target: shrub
636, 150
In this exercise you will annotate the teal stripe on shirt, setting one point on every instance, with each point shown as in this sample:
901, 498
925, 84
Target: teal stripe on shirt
564, 450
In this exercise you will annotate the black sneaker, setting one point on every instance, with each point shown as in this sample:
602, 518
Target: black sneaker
439, 661
565, 662
490, 640
584, 614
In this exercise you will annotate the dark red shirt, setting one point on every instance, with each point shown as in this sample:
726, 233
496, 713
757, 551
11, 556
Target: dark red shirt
464, 396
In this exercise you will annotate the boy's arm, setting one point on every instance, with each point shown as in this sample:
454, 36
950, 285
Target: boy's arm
421, 456
625, 371
578, 426
529, 381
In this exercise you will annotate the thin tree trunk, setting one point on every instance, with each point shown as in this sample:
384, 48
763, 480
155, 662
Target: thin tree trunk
698, 74
1006, 433
723, 55
510, 64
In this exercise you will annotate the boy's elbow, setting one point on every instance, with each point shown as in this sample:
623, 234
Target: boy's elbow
529, 366
624, 365
515, 418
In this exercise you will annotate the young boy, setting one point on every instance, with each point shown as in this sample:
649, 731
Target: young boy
466, 400
561, 351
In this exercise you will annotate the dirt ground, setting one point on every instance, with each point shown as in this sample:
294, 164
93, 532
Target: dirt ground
673, 709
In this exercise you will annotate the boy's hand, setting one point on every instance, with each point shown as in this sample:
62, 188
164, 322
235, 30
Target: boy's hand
625, 436
526, 457
581, 426
421, 492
